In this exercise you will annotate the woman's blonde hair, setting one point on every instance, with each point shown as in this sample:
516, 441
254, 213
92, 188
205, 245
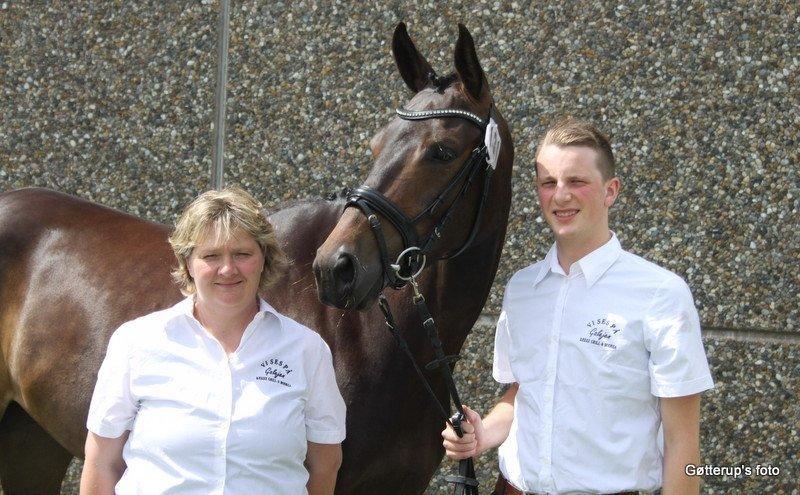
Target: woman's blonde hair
225, 211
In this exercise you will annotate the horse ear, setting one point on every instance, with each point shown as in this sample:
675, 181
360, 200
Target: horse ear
413, 66
467, 66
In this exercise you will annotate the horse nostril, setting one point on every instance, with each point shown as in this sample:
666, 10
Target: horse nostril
344, 270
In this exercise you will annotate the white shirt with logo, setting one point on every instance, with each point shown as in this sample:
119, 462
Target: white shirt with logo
204, 421
592, 352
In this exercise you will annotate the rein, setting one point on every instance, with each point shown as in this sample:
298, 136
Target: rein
412, 260
465, 481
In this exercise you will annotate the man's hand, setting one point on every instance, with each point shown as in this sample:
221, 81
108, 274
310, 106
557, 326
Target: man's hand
470, 445
481, 435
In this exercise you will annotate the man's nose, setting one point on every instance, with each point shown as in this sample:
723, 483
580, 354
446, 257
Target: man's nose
563, 194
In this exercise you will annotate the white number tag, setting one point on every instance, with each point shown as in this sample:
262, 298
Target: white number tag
492, 142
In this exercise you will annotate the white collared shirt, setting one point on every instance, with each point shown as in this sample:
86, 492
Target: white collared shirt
592, 352
204, 421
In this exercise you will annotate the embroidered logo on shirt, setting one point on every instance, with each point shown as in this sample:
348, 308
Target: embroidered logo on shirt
601, 332
276, 371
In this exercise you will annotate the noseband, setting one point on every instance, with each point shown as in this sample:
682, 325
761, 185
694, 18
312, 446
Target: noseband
415, 250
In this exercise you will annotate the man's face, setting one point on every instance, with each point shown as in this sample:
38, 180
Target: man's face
573, 195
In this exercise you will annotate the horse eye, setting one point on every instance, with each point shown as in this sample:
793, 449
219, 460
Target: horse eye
442, 153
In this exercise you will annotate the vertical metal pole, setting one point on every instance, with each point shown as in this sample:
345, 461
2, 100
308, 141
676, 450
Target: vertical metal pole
220, 96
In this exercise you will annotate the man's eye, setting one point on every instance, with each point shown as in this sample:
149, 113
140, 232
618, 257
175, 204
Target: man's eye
209, 256
442, 153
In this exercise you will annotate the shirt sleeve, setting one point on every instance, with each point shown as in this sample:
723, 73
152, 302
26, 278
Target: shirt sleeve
113, 407
677, 363
501, 364
325, 409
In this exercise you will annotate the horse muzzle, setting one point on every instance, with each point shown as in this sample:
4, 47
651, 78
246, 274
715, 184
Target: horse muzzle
345, 279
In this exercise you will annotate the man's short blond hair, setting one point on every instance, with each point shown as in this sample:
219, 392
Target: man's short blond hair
570, 131
226, 212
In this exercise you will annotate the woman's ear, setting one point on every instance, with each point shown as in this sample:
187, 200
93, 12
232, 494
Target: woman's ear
188, 261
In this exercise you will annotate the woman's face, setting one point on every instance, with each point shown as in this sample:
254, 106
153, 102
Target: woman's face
226, 274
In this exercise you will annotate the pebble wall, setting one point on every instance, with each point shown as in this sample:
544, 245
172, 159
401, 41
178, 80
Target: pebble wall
113, 101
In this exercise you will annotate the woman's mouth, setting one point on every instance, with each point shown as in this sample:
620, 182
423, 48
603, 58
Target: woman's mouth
228, 284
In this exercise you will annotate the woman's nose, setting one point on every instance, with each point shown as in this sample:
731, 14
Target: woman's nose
228, 266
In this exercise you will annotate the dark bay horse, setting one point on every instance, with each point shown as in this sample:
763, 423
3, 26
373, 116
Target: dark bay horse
72, 271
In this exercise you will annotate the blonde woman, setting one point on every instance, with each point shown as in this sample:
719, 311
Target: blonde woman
219, 393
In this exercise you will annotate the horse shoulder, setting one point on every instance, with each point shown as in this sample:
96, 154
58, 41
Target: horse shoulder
71, 271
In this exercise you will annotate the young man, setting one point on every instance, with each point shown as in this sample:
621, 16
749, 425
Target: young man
599, 346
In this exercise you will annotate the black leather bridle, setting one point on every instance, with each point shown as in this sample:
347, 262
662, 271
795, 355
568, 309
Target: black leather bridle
412, 260
415, 250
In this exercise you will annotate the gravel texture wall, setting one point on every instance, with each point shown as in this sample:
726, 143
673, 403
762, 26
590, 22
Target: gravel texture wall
113, 101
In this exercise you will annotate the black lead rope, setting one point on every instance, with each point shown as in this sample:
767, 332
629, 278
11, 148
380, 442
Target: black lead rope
465, 481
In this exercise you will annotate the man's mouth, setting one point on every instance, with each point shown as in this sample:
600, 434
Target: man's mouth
565, 213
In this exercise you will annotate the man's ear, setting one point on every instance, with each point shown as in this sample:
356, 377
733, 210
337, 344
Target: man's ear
612, 191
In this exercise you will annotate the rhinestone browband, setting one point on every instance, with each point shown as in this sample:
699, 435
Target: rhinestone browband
433, 114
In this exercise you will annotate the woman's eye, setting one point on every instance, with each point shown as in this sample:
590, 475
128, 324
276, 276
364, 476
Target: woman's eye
209, 256
442, 153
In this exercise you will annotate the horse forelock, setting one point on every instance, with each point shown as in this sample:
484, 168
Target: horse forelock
441, 83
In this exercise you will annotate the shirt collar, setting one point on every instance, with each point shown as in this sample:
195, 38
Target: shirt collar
265, 308
550, 264
593, 265
186, 308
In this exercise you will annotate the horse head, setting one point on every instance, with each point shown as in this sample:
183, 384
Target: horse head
429, 183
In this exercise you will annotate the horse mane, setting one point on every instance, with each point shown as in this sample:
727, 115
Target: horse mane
342, 193
290, 203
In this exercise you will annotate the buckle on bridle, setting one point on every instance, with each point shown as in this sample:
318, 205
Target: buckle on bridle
409, 264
